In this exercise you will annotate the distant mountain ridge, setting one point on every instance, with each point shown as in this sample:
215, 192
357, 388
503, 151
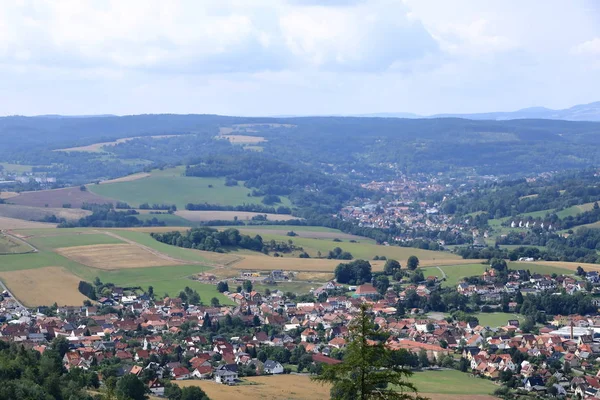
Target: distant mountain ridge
580, 112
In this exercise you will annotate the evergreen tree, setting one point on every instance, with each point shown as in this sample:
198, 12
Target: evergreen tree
369, 369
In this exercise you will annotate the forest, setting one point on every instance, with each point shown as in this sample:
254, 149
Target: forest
210, 239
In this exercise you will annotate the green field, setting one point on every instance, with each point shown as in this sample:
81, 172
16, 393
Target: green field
539, 269
450, 382
455, 273
168, 279
299, 228
171, 187
10, 246
18, 168
364, 249
496, 319
73, 239
573, 211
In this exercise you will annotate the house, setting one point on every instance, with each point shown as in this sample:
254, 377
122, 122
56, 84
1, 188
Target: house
273, 367
157, 388
202, 372
180, 373
366, 290
309, 335
224, 375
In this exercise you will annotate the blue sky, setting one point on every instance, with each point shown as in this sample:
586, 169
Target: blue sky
274, 57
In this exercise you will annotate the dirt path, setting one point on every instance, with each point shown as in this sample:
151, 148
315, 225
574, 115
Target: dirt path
20, 240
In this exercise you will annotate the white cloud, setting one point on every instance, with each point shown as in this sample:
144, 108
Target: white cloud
589, 47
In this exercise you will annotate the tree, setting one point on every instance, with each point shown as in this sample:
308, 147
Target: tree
172, 391
222, 287
130, 387
247, 286
382, 282
498, 264
214, 302
368, 370
61, 345
412, 263
193, 393
580, 271
391, 267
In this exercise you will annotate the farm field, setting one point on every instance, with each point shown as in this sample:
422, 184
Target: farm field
99, 147
455, 273
128, 178
39, 213
366, 249
169, 219
115, 256
9, 245
200, 216
8, 195
496, 319
544, 267
436, 385
171, 187
13, 223
55, 198
562, 265
18, 168
73, 239
574, 210
44, 286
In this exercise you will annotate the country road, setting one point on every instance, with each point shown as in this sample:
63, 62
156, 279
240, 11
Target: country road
19, 304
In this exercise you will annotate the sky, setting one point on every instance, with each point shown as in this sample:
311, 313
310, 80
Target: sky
296, 57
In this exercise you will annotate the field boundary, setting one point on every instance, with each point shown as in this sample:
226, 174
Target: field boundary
18, 239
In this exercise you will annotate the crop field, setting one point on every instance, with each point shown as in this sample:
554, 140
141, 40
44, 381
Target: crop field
200, 216
55, 198
72, 239
13, 223
39, 213
128, 178
289, 387
243, 139
574, 210
7, 195
18, 168
455, 273
171, 187
115, 256
545, 267
436, 385
9, 245
44, 286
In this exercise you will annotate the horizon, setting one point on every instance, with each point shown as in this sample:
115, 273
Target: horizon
271, 58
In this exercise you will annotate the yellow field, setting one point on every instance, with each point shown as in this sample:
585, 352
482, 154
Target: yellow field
8, 195
44, 286
199, 216
289, 387
569, 265
12, 223
116, 256
128, 178
242, 139
98, 147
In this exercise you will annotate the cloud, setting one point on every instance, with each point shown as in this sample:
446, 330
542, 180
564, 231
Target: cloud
589, 47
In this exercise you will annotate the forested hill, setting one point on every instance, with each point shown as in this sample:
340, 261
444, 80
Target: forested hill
371, 147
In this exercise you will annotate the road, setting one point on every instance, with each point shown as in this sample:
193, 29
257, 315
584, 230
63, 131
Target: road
19, 304
443, 273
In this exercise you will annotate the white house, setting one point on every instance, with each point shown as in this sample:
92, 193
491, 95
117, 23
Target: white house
273, 367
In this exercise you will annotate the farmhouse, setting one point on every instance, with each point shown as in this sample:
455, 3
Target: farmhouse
366, 290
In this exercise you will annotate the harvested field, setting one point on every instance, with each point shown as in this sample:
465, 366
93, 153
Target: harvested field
304, 234
314, 276
44, 286
39, 213
242, 139
57, 197
13, 245
278, 387
128, 178
99, 147
199, 216
572, 266
116, 256
13, 223
8, 195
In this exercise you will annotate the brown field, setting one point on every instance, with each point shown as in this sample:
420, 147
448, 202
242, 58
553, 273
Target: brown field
314, 276
98, 147
13, 223
39, 213
304, 234
8, 195
289, 387
57, 197
266, 263
116, 256
128, 178
44, 286
199, 216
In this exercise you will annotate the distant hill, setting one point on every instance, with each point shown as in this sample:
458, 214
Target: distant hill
581, 112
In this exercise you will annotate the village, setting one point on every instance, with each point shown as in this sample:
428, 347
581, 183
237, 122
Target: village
272, 333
